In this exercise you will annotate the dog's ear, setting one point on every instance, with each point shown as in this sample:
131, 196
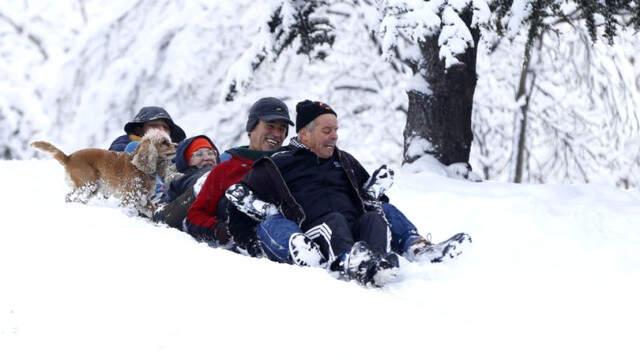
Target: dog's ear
145, 157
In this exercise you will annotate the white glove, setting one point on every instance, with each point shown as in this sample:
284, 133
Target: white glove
379, 182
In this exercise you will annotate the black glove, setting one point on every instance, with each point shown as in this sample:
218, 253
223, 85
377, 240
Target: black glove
221, 233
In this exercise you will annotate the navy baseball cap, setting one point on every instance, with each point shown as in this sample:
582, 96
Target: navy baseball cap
268, 109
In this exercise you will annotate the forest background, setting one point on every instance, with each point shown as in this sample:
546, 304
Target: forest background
74, 72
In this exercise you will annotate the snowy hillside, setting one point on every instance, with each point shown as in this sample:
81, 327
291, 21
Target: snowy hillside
553, 273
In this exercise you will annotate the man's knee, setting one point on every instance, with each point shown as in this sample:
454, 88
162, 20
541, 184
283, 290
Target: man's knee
335, 228
373, 218
274, 233
336, 219
373, 230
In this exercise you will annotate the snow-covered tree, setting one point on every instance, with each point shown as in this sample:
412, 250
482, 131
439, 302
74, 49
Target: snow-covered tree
571, 117
22, 51
106, 60
440, 39
284, 22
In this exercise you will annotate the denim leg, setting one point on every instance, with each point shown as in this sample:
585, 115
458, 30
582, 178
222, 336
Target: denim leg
401, 228
274, 233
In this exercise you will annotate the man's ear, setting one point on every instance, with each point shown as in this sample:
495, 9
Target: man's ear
302, 135
145, 157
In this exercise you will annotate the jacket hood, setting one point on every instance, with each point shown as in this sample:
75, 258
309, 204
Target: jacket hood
181, 163
151, 113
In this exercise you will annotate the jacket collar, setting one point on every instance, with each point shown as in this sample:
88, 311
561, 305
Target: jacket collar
296, 144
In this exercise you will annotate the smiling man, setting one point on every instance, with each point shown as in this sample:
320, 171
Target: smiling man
319, 188
207, 219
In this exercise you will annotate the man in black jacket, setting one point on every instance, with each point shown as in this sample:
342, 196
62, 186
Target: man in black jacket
320, 187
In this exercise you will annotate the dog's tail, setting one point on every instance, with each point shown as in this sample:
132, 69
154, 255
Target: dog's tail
47, 147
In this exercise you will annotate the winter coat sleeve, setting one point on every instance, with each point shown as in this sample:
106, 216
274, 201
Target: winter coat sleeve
360, 176
120, 143
356, 171
201, 217
267, 183
171, 193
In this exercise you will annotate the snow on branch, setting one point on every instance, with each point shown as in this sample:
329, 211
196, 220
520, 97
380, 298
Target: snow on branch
410, 19
285, 22
413, 21
454, 37
35, 40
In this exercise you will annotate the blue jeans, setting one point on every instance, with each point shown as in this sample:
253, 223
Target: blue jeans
274, 233
402, 230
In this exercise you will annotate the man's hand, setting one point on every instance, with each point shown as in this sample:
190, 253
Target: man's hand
221, 233
379, 182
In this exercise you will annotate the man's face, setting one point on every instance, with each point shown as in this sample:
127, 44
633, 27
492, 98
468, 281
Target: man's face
322, 137
267, 136
156, 124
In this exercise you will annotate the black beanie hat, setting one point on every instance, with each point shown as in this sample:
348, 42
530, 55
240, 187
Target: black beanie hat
307, 111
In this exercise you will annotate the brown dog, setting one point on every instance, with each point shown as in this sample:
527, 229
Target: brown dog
130, 177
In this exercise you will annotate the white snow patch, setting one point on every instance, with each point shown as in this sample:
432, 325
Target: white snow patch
419, 84
552, 273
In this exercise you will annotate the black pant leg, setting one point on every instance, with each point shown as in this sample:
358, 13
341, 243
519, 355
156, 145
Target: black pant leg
372, 229
341, 237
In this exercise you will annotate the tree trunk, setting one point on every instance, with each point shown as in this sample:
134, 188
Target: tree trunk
442, 115
524, 110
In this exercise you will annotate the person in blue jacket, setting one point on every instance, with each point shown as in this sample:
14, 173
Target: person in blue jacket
149, 117
195, 157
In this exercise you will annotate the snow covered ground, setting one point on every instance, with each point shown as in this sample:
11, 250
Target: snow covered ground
553, 273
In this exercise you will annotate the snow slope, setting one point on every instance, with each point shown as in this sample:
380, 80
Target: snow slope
553, 273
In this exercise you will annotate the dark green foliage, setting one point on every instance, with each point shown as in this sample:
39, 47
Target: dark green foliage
610, 14
312, 30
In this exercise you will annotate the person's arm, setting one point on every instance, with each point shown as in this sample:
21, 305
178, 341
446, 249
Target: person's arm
372, 188
201, 218
119, 143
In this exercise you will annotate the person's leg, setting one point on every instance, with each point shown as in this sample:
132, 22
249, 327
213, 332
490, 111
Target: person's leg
372, 229
414, 247
402, 229
334, 229
384, 264
174, 212
274, 234
282, 240
240, 231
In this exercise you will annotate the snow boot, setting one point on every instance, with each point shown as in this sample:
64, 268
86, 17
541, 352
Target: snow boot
386, 270
366, 267
305, 252
245, 201
422, 249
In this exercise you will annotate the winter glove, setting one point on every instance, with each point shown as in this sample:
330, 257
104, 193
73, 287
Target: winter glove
379, 182
254, 249
246, 202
